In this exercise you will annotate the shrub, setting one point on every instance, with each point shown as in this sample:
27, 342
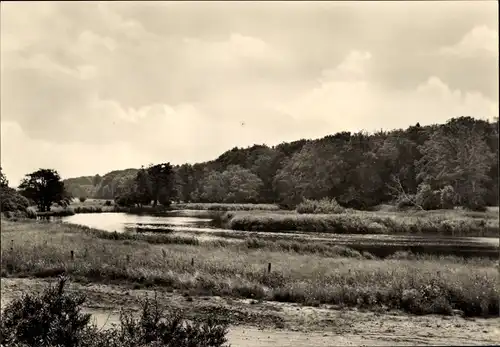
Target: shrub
475, 202
51, 318
448, 197
155, 328
88, 209
30, 213
12, 201
107, 203
323, 206
405, 201
54, 318
427, 198
82, 199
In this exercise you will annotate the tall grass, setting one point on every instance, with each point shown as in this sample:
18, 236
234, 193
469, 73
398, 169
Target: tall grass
424, 286
323, 206
362, 223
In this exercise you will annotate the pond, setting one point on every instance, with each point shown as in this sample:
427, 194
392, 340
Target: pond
199, 224
121, 222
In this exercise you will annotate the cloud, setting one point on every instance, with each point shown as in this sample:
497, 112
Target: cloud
94, 86
21, 154
480, 40
349, 100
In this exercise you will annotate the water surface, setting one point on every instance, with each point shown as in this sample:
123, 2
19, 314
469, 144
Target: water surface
199, 225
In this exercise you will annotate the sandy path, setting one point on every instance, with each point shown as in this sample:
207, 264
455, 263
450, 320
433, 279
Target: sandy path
278, 324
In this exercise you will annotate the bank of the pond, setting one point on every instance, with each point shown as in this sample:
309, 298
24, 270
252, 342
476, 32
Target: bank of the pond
201, 225
97, 207
449, 224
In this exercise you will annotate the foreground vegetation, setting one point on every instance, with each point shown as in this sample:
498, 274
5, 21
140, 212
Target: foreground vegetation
425, 286
54, 318
451, 223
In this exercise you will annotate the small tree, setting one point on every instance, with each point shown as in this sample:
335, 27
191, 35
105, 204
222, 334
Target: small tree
82, 199
448, 197
45, 187
427, 198
3, 179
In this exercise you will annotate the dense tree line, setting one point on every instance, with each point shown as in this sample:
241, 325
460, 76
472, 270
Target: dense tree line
456, 161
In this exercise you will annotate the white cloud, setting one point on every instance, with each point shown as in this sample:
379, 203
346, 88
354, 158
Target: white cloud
87, 87
480, 40
355, 104
22, 154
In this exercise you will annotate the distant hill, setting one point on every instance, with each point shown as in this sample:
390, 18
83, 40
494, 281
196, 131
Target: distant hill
103, 187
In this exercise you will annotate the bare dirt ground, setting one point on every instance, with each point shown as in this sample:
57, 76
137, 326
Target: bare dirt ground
280, 324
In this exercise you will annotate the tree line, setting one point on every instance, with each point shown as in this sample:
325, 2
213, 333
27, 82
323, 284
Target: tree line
435, 166
415, 166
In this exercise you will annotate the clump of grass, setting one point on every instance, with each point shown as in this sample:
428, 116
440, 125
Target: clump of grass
361, 223
61, 212
301, 247
88, 209
156, 238
323, 206
55, 318
417, 286
226, 207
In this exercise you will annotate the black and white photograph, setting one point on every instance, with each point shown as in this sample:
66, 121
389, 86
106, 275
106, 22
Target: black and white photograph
249, 173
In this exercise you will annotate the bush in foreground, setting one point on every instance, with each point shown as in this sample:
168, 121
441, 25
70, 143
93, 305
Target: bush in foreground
54, 318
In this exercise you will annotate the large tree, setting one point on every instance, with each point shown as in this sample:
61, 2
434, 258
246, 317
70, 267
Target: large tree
241, 184
457, 154
184, 182
315, 172
162, 183
44, 187
143, 187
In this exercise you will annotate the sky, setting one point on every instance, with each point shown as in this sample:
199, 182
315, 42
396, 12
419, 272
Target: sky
90, 87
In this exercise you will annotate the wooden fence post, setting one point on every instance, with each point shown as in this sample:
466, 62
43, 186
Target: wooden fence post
192, 261
72, 255
269, 268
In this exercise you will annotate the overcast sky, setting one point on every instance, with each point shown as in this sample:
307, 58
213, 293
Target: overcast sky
88, 87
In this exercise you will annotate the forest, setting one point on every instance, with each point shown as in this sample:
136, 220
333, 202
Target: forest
455, 163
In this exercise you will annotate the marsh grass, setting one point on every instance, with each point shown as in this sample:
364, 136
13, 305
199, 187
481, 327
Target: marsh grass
423, 286
58, 211
320, 206
443, 223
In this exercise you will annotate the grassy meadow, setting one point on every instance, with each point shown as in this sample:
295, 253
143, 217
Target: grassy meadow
334, 275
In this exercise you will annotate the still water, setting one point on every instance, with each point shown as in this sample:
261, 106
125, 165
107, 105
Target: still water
199, 225
121, 222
